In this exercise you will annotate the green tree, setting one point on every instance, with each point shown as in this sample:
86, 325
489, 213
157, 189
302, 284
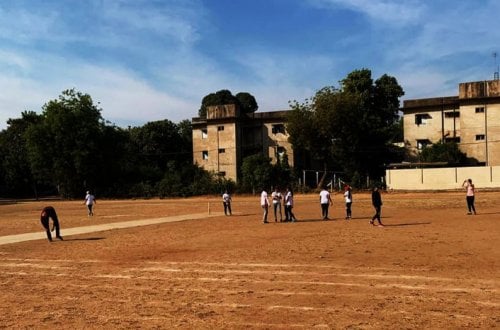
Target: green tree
351, 127
247, 102
223, 96
14, 160
256, 171
63, 148
443, 152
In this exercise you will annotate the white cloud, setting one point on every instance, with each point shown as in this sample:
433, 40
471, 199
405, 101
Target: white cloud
389, 11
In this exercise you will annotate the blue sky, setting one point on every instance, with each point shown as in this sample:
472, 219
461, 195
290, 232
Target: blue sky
153, 60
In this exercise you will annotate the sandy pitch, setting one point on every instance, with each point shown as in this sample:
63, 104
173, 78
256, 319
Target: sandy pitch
432, 266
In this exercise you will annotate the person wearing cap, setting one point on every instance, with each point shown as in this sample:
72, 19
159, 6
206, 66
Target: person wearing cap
90, 201
49, 212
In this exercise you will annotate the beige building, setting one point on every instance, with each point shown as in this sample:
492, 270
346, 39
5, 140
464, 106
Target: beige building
472, 119
225, 137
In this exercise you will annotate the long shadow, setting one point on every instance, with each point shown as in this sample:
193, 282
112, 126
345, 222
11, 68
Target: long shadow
407, 224
486, 213
84, 239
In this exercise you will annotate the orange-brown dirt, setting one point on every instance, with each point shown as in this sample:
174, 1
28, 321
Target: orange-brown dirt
431, 266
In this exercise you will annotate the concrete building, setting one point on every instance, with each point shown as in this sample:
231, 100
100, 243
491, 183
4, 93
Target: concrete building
472, 119
225, 137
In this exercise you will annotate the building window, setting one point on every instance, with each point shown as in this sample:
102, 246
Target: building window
222, 150
204, 133
422, 118
278, 128
452, 114
452, 139
222, 173
204, 154
480, 110
421, 144
480, 137
220, 128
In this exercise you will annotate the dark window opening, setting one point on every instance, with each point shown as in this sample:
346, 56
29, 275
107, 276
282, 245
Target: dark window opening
278, 128
422, 118
452, 114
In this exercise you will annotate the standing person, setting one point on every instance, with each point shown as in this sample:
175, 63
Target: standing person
277, 197
264, 203
90, 201
226, 200
377, 204
289, 216
325, 200
50, 212
469, 186
348, 202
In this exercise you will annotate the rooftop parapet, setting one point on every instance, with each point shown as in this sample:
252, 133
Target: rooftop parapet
479, 89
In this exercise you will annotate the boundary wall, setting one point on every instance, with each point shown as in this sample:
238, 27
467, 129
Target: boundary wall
446, 178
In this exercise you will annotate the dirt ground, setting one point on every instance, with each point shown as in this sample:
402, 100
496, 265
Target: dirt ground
431, 266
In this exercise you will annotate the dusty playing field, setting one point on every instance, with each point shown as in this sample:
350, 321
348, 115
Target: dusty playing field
432, 266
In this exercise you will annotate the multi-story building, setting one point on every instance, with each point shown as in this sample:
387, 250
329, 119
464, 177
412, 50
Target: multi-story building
226, 136
472, 119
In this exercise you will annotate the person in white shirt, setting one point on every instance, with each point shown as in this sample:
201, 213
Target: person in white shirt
325, 200
348, 202
264, 203
226, 200
276, 196
90, 201
289, 216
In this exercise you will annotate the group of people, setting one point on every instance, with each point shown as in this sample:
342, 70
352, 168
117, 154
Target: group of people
278, 199
49, 213
286, 200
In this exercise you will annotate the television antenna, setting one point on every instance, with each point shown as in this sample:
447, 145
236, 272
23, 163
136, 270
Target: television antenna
495, 74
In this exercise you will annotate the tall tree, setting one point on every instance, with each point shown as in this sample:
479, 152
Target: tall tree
64, 147
256, 171
223, 96
245, 101
351, 126
14, 161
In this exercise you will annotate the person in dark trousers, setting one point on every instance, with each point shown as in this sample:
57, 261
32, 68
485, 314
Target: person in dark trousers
377, 204
348, 202
325, 201
289, 216
50, 212
226, 201
469, 186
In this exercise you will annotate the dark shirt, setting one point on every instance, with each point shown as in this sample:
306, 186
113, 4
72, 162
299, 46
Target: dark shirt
48, 212
376, 198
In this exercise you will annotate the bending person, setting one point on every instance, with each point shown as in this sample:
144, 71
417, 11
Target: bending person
50, 212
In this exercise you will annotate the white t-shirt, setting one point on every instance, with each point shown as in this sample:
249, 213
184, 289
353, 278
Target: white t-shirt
226, 198
289, 198
348, 196
276, 197
324, 196
89, 199
263, 199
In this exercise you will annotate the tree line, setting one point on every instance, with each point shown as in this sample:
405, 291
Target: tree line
70, 148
